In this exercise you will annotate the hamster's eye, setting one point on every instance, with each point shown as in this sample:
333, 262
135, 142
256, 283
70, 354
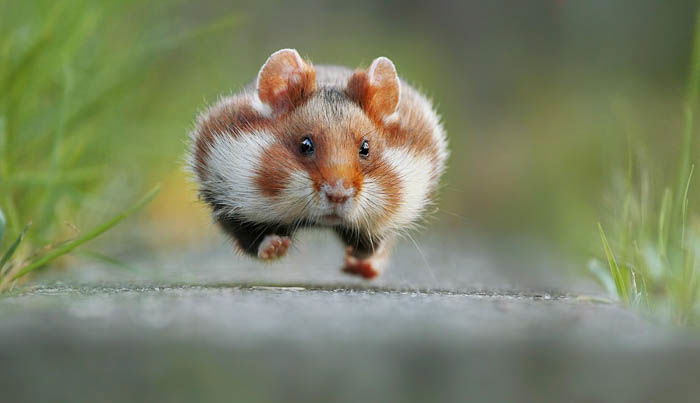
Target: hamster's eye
364, 149
307, 146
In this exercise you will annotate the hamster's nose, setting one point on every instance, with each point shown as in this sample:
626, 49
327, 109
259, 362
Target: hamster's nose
337, 198
337, 194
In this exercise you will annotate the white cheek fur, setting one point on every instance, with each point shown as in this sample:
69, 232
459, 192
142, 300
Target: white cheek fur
414, 174
231, 169
371, 204
297, 198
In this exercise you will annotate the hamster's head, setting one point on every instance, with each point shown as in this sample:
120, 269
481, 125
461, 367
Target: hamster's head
318, 155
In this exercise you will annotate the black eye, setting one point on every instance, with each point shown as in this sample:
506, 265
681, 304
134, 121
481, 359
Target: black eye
307, 146
364, 148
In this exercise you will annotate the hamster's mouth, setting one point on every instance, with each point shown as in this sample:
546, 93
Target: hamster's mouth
331, 219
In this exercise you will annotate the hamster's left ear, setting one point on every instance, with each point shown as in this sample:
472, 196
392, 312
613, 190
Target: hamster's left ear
285, 80
377, 90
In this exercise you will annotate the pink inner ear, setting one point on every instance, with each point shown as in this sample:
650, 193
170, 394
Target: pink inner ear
384, 87
284, 80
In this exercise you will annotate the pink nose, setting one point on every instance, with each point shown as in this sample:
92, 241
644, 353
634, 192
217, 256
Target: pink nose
337, 197
337, 194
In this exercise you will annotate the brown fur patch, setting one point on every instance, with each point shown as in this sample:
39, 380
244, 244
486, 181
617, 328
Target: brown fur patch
275, 169
412, 133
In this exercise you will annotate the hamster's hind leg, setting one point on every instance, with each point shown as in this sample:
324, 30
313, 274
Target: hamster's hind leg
364, 257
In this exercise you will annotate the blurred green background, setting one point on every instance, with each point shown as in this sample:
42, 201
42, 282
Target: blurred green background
542, 102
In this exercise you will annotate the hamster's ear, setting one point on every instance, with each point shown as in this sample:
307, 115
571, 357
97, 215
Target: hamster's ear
377, 89
285, 80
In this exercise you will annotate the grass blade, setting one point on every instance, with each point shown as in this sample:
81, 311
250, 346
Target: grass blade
102, 258
664, 213
13, 248
69, 246
684, 209
2, 226
618, 278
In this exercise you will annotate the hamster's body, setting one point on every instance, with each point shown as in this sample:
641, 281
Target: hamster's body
360, 152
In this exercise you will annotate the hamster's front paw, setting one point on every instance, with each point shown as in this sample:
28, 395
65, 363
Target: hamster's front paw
360, 267
274, 247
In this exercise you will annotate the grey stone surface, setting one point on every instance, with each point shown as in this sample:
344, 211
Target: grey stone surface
458, 320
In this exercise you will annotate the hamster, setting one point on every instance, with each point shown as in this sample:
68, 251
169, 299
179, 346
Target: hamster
358, 152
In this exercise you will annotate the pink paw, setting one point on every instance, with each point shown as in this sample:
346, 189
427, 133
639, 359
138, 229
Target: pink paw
362, 268
274, 247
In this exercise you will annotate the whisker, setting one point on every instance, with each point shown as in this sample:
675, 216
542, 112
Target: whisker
425, 260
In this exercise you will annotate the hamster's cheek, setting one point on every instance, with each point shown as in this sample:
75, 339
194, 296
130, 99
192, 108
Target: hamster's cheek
285, 188
253, 177
232, 166
298, 200
414, 180
395, 193
379, 199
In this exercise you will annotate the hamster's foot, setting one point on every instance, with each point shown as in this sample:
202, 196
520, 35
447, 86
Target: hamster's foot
274, 247
359, 267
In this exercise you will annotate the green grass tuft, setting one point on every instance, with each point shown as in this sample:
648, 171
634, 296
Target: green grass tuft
652, 258
74, 118
8, 277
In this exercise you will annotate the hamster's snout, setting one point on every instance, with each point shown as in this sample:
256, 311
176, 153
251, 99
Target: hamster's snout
337, 194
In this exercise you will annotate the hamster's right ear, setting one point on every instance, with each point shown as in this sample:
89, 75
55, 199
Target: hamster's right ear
285, 80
